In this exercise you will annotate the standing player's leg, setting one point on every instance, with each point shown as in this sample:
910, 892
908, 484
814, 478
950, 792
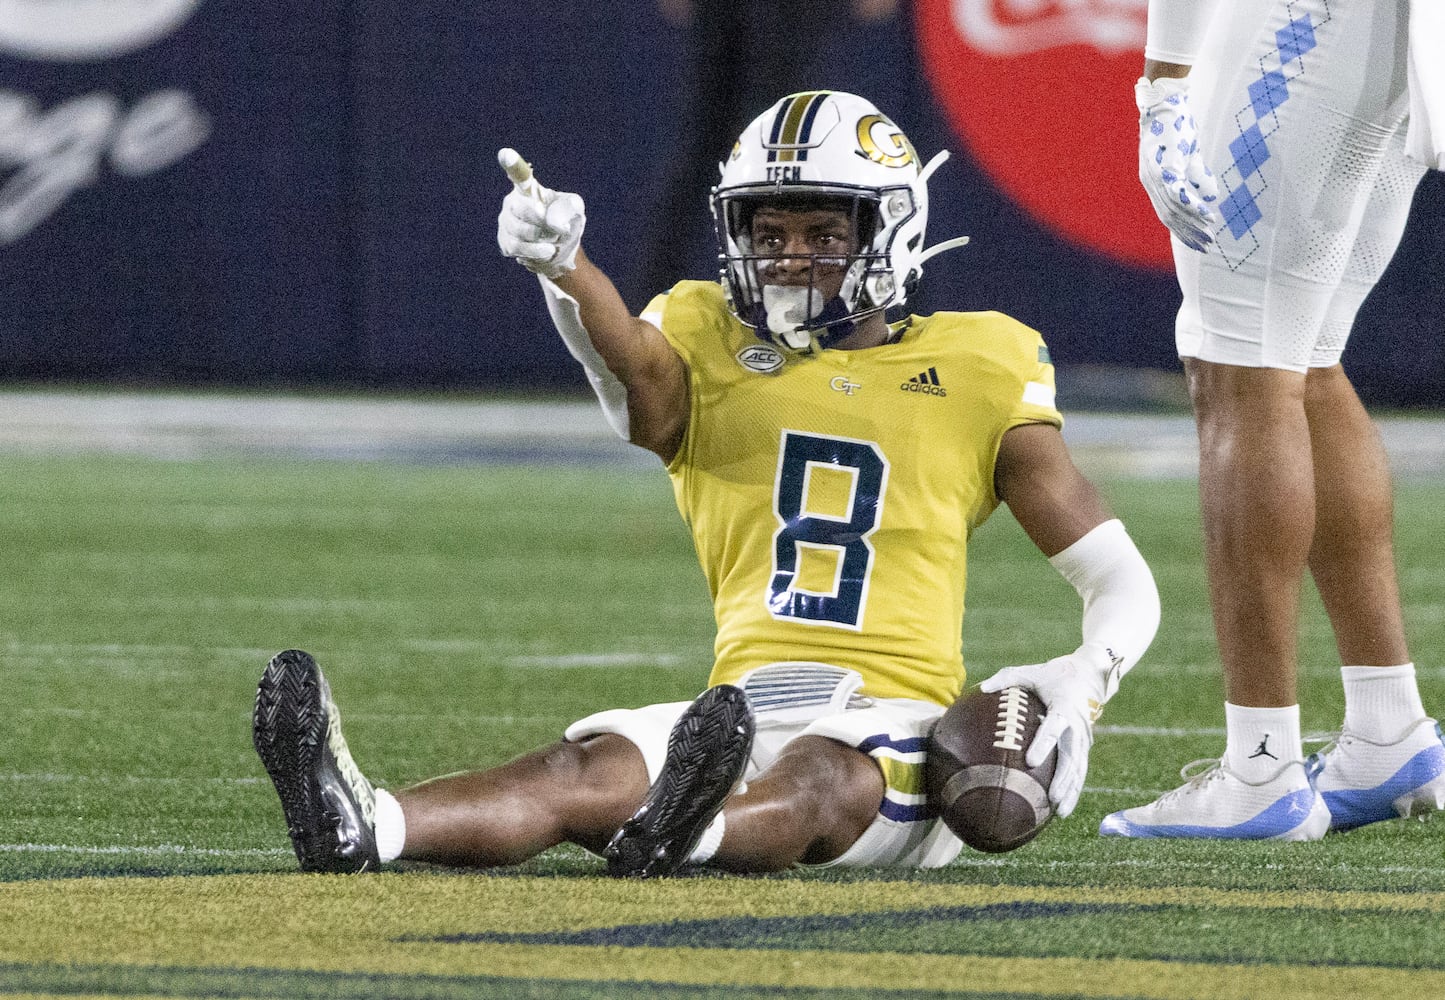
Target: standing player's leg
1301, 103
1257, 501
1389, 759
1352, 555
1353, 560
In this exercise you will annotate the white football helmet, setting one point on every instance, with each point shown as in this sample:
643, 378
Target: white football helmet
831, 148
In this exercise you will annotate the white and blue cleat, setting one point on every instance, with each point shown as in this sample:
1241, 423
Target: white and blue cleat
1364, 782
1216, 803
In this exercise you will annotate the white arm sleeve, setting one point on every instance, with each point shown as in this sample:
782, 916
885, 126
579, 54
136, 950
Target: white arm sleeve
1175, 29
1121, 603
611, 393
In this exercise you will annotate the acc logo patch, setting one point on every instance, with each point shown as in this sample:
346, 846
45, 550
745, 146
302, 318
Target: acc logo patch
760, 358
1065, 117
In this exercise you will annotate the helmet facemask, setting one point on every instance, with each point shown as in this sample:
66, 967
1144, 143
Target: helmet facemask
821, 301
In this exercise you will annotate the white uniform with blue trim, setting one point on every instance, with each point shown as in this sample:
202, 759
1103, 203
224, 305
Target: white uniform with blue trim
1302, 109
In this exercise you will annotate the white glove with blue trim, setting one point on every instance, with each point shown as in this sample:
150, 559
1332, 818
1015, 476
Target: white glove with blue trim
1073, 692
1171, 168
539, 228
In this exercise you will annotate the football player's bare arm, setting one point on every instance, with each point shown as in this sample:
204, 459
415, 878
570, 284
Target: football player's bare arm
1156, 70
1049, 497
567, 792
637, 353
639, 379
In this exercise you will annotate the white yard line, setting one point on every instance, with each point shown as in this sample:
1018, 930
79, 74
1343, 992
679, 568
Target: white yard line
568, 660
151, 850
1171, 731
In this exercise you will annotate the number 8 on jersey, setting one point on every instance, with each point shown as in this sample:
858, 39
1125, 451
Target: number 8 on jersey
828, 498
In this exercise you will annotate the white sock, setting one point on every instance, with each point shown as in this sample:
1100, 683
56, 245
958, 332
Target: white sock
390, 826
710, 842
1381, 703
1260, 741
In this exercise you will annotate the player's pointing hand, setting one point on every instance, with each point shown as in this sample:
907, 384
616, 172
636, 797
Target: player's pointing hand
538, 227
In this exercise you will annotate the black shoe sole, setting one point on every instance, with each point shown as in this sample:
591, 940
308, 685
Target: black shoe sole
706, 756
288, 730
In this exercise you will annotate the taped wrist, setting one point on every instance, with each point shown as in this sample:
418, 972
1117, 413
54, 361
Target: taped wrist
1175, 29
567, 317
1121, 602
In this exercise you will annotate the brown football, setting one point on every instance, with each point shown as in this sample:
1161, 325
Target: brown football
975, 772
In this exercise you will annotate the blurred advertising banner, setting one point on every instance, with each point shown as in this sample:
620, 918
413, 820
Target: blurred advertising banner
203, 192
50, 148
1053, 131
171, 194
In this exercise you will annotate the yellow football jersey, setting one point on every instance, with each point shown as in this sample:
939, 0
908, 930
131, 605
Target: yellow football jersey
831, 497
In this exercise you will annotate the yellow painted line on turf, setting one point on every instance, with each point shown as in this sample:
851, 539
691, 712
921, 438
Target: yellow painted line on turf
923, 972
381, 925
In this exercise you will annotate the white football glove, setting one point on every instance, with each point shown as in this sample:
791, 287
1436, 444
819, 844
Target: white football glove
538, 227
1073, 693
1170, 165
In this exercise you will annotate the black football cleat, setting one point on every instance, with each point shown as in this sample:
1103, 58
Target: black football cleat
330, 807
706, 756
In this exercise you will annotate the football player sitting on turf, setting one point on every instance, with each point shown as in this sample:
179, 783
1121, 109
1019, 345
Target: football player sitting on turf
831, 466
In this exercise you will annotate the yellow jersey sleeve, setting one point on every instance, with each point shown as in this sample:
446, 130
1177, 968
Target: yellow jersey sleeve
831, 497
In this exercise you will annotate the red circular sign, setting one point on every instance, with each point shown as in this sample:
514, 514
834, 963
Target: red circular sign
1041, 92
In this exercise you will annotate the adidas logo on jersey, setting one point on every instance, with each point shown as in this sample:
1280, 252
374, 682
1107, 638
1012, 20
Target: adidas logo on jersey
925, 382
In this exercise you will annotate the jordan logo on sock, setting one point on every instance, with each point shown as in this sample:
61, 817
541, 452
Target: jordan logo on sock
1263, 749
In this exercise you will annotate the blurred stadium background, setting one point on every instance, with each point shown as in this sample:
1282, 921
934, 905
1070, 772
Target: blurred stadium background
198, 192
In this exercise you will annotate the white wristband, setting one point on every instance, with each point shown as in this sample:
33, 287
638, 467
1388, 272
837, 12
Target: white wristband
1121, 602
611, 393
1176, 27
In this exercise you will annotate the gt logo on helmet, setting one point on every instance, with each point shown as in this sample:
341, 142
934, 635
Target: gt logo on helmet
882, 142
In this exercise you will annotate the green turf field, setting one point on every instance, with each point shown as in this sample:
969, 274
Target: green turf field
464, 613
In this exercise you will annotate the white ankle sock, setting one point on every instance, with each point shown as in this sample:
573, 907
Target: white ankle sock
1381, 702
1260, 741
390, 826
710, 842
